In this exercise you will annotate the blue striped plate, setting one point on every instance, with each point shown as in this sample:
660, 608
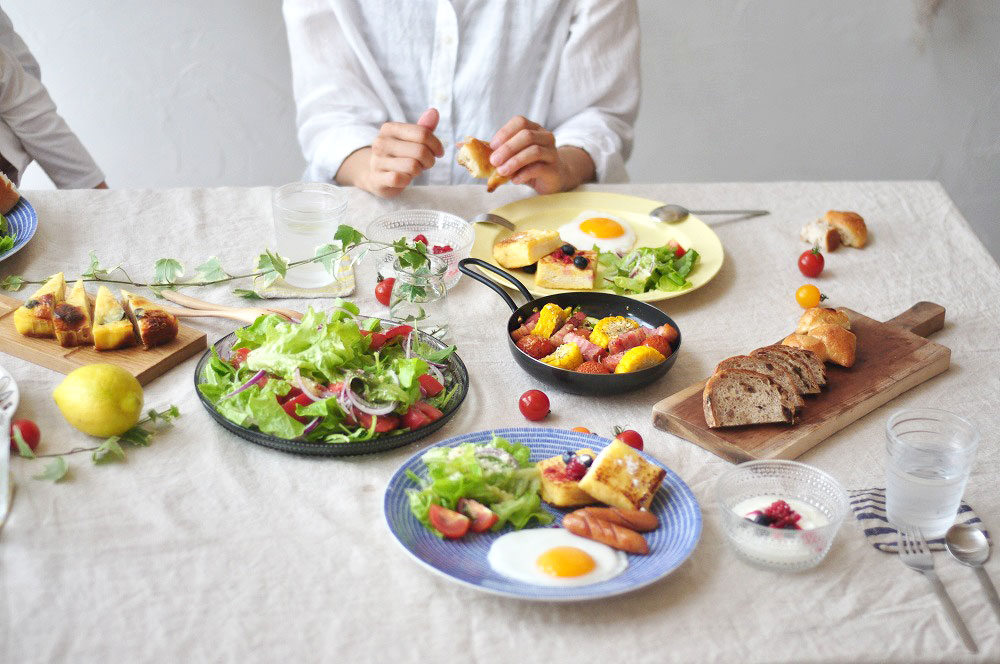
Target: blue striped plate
21, 223
464, 561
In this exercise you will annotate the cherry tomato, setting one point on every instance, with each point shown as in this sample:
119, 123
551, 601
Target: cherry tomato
399, 331
29, 433
629, 437
377, 341
429, 411
448, 522
289, 406
383, 423
238, 357
429, 385
482, 516
678, 249
534, 405
808, 296
383, 290
811, 263
581, 429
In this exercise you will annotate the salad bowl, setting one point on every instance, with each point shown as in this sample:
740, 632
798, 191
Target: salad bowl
454, 371
22, 222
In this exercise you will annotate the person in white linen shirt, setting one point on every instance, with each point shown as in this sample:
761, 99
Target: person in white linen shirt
30, 128
385, 89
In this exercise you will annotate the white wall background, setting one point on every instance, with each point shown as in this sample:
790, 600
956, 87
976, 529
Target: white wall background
198, 92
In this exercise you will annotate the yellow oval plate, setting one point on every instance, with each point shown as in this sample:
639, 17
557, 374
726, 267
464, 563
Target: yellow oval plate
554, 210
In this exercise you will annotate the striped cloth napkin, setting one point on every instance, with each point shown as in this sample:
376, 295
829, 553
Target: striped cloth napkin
869, 509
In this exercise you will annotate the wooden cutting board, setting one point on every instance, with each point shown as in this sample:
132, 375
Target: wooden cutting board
145, 365
891, 358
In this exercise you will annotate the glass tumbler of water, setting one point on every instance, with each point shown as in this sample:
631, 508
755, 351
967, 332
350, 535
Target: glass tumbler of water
930, 454
306, 215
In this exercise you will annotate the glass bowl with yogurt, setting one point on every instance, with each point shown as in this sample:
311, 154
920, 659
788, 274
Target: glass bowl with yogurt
744, 495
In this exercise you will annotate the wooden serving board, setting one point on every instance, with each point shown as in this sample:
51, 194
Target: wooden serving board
145, 365
892, 357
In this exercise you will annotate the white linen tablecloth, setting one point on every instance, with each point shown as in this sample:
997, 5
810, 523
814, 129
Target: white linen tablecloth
204, 547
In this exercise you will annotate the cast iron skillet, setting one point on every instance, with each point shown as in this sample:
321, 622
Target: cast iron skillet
597, 305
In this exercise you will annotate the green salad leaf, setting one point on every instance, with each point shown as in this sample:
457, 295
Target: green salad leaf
648, 268
499, 475
6, 241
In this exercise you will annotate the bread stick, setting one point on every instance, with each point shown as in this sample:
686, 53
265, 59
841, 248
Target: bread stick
615, 536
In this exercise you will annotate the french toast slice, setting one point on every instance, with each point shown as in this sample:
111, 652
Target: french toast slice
557, 488
525, 247
73, 319
620, 477
154, 325
112, 328
34, 317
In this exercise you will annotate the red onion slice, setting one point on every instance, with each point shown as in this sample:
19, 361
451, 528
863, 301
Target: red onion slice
301, 383
253, 381
434, 371
312, 425
370, 408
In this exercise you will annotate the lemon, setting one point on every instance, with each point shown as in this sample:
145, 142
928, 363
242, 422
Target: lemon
100, 399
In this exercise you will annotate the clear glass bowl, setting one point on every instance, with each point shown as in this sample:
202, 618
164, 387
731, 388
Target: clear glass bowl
440, 228
821, 496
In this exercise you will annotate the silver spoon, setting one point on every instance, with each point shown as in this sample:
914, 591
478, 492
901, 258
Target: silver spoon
969, 546
673, 214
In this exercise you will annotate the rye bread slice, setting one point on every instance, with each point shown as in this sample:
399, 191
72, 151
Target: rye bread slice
733, 397
801, 374
807, 357
781, 375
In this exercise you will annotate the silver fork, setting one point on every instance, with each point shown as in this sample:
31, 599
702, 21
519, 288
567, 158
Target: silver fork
490, 218
914, 553
6, 410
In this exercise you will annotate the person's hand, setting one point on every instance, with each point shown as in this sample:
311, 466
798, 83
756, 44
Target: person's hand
399, 153
526, 152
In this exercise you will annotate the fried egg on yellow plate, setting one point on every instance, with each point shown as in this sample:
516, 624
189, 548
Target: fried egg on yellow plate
554, 557
608, 232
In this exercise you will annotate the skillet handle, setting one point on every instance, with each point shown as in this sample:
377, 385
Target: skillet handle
463, 266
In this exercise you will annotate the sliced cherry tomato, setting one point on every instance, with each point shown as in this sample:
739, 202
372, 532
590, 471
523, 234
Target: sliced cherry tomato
534, 405
383, 290
429, 385
811, 263
383, 423
28, 431
448, 522
238, 357
398, 331
291, 394
808, 296
678, 249
377, 341
429, 411
420, 237
581, 429
414, 419
300, 400
482, 516
629, 437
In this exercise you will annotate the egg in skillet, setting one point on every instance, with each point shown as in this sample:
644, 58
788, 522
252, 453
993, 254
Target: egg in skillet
554, 557
608, 232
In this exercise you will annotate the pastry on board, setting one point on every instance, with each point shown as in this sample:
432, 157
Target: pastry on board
34, 317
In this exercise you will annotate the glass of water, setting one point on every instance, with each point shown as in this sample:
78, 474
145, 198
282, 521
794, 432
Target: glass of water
306, 215
930, 454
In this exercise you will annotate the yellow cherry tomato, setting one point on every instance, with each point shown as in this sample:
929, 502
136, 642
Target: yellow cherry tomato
581, 429
808, 296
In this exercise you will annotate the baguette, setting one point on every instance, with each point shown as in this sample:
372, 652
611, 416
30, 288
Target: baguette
638, 520
9, 195
615, 536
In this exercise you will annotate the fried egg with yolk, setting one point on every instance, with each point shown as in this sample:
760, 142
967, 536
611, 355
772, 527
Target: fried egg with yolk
606, 231
554, 557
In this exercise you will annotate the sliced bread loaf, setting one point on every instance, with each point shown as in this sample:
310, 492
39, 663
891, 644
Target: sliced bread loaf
808, 358
778, 373
734, 397
801, 375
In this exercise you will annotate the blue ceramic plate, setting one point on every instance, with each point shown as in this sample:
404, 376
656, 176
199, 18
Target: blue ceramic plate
464, 560
22, 223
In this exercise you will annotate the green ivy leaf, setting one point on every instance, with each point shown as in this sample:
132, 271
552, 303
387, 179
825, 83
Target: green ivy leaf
328, 256
12, 283
410, 255
22, 447
211, 270
109, 451
95, 271
136, 436
247, 293
55, 470
348, 237
167, 271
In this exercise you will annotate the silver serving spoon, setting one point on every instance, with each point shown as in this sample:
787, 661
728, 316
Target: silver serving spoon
673, 214
969, 546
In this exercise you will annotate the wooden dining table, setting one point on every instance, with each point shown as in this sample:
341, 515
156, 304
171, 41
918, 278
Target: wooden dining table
204, 547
